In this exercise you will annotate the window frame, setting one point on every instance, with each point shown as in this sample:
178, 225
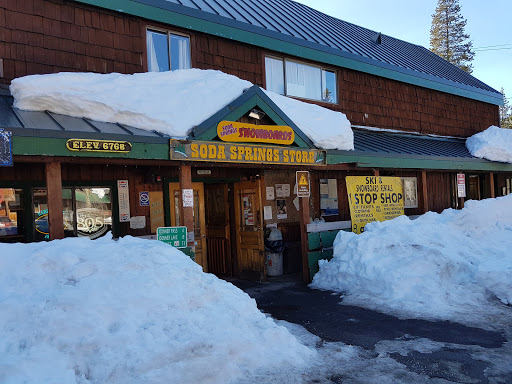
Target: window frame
321, 67
168, 33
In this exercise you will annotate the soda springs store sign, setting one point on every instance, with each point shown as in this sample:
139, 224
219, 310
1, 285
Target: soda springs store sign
247, 153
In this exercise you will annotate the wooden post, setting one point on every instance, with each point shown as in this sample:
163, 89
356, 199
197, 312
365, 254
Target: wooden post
304, 221
492, 193
376, 173
186, 213
425, 191
55, 207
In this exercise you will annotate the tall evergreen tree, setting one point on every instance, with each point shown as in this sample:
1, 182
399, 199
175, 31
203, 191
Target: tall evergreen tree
505, 112
448, 38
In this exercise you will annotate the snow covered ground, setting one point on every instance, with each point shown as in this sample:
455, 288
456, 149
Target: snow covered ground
493, 144
451, 266
168, 102
129, 311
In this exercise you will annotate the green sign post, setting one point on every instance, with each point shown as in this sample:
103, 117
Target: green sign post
175, 236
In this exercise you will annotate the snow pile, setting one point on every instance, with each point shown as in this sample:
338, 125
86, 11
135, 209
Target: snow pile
454, 265
168, 102
326, 128
131, 311
493, 144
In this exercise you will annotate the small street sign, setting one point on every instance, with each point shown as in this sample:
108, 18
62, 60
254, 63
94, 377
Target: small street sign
175, 236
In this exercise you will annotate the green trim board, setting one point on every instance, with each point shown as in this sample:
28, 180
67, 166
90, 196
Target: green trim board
50, 146
251, 98
303, 49
416, 162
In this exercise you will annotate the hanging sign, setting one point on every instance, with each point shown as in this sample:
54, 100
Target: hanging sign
302, 180
244, 154
373, 198
461, 185
123, 198
175, 236
86, 145
251, 133
188, 198
5, 148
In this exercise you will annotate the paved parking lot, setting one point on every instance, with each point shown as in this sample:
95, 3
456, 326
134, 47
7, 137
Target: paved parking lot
464, 354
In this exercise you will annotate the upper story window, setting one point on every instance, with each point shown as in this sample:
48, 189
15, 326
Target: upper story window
167, 51
291, 78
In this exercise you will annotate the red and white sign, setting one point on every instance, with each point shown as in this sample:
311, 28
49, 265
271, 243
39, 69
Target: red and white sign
188, 197
461, 185
123, 199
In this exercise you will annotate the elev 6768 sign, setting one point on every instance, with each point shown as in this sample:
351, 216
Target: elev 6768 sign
373, 198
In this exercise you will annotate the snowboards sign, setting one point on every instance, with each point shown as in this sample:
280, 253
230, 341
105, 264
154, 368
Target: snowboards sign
5, 148
251, 133
244, 154
373, 198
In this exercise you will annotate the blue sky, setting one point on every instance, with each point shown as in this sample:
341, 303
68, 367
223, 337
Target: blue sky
488, 24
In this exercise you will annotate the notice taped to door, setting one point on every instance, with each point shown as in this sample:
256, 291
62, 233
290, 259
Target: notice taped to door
373, 198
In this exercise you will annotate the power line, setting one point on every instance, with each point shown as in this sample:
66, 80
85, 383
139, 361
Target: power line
492, 49
494, 46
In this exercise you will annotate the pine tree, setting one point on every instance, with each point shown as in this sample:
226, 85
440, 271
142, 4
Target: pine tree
448, 38
505, 112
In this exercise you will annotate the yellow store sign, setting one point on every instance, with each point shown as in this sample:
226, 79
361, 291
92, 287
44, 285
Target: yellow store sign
373, 198
241, 154
250, 133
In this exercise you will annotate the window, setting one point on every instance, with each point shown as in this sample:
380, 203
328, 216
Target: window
410, 191
86, 212
507, 188
167, 51
328, 197
292, 78
11, 213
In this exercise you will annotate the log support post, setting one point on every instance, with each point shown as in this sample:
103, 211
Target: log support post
186, 213
54, 194
424, 193
304, 221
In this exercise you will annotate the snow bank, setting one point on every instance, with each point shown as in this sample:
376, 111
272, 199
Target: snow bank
493, 144
168, 102
131, 311
326, 128
454, 265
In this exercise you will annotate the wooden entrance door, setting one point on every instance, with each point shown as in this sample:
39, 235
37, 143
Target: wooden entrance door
199, 219
218, 238
249, 228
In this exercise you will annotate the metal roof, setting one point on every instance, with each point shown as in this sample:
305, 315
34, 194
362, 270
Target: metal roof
48, 124
372, 148
384, 143
294, 22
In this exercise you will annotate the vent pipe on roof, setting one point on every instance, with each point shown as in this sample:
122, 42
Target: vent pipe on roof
378, 38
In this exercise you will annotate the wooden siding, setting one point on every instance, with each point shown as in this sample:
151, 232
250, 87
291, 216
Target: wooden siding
439, 191
47, 36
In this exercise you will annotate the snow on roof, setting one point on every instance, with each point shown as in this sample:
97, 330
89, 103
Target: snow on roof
327, 129
127, 312
453, 266
493, 144
168, 102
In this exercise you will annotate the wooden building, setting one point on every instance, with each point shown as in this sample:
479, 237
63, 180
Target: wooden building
424, 106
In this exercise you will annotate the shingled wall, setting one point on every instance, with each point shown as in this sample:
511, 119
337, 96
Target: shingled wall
46, 36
